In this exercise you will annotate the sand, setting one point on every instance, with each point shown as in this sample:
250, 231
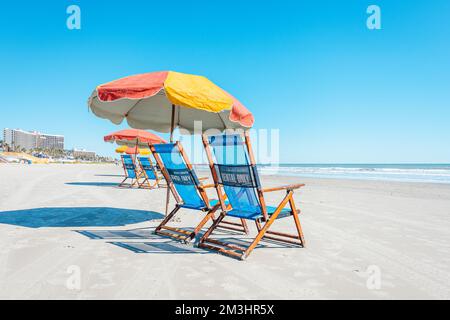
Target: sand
67, 232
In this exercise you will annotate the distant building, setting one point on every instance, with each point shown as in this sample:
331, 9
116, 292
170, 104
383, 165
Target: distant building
83, 154
18, 139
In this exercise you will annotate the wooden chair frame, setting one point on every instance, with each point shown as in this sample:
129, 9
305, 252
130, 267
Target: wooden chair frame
145, 184
134, 181
177, 233
262, 224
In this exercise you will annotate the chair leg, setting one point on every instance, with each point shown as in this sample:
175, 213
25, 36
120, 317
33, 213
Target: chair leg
211, 228
144, 183
267, 225
133, 182
258, 225
230, 250
297, 222
209, 215
240, 227
244, 225
122, 183
167, 218
183, 235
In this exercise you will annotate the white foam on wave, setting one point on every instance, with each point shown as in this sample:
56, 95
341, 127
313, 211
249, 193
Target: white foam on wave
407, 173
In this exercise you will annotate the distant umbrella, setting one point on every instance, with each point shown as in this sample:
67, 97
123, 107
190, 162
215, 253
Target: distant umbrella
132, 150
133, 137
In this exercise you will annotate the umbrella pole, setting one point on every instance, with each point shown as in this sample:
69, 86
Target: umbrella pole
172, 123
172, 128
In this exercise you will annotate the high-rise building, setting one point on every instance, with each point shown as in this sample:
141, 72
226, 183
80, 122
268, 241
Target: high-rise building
18, 139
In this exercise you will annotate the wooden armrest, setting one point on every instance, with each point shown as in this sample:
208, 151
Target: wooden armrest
288, 187
206, 186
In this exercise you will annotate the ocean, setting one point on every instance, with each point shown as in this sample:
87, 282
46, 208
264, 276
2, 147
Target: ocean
433, 173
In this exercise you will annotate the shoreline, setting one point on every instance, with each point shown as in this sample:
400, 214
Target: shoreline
263, 172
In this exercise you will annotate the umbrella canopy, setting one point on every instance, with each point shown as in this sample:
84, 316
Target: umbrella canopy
132, 150
164, 100
134, 137
144, 152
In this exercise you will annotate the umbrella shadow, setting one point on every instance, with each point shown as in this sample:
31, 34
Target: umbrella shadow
76, 217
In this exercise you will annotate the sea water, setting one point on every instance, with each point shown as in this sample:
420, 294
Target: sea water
434, 173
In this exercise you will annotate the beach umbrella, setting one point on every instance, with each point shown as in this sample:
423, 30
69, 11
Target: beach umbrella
144, 152
133, 138
121, 149
132, 150
163, 101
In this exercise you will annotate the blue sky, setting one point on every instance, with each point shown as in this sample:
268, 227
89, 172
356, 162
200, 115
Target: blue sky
338, 92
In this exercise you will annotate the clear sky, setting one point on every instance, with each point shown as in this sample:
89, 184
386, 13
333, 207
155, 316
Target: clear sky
338, 92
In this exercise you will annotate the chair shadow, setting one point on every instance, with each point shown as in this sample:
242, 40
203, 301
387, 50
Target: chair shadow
242, 242
109, 175
142, 233
155, 244
246, 242
160, 247
96, 184
76, 217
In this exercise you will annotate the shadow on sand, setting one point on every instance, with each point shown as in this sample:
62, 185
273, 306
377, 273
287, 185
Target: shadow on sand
160, 247
109, 175
141, 233
150, 242
95, 184
76, 217
170, 246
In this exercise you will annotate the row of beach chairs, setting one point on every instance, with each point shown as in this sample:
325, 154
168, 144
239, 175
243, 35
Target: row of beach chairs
239, 195
142, 173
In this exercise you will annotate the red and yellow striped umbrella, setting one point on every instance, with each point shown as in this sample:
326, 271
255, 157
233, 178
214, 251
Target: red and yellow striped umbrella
164, 100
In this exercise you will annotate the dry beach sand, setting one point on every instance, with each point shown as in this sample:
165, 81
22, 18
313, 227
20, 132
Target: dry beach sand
56, 220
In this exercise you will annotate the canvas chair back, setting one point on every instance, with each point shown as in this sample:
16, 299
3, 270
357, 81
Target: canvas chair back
148, 167
236, 173
129, 166
183, 177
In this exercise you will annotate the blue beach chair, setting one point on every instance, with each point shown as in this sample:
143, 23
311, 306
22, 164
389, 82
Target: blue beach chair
130, 170
148, 172
187, 189
235, 175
